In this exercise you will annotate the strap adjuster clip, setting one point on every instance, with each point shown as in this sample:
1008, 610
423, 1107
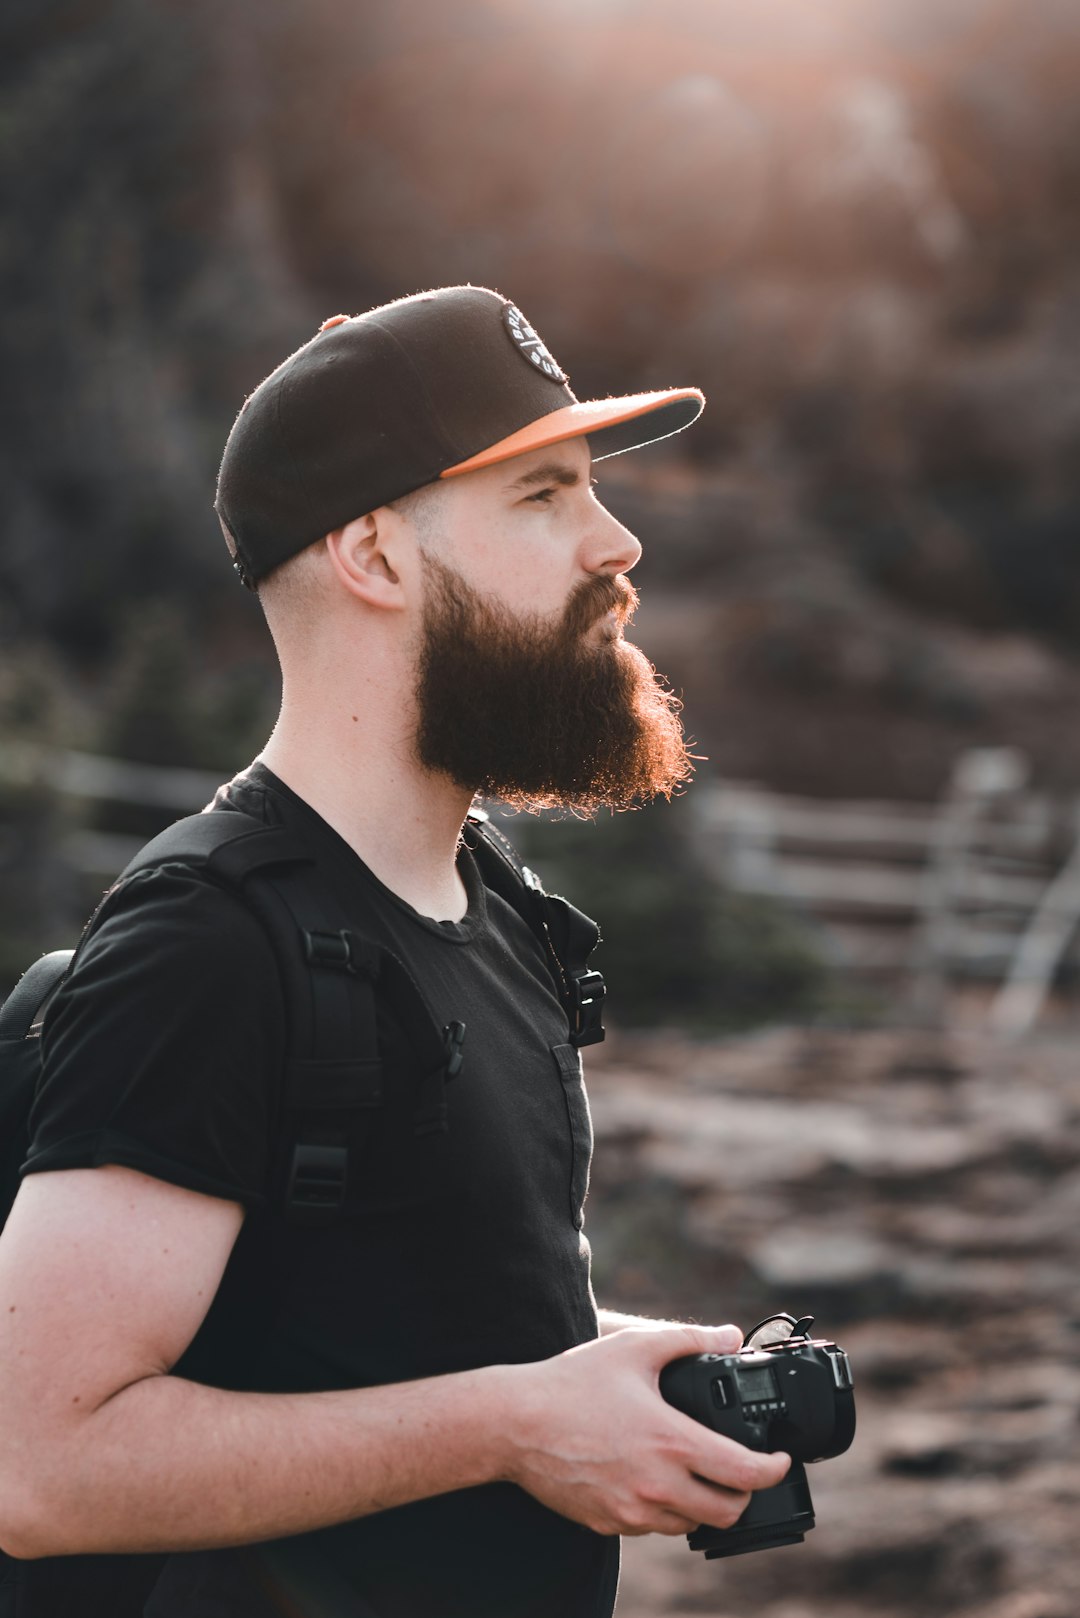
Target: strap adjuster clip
317, 1179
588, 993
454, 1045
330, 949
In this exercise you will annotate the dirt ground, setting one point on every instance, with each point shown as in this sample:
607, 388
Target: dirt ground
920, 1195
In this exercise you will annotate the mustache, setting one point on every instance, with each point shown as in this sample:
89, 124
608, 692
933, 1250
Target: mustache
593, 598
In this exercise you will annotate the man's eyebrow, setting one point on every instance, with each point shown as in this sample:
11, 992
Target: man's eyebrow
549, 472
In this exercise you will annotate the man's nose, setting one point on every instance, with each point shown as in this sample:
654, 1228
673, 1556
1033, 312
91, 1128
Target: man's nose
608, 546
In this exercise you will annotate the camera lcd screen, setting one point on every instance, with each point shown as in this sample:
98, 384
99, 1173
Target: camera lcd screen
758, 1384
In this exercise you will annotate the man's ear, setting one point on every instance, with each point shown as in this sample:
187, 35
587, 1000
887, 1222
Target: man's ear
362, 557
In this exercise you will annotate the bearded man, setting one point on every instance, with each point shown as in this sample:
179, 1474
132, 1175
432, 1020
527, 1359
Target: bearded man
416, 1409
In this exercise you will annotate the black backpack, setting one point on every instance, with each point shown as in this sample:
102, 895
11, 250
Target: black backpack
333, 981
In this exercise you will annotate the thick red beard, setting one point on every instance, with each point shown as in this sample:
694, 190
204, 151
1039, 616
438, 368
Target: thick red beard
538, 715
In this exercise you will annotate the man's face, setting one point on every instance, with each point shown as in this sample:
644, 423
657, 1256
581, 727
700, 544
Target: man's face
526, 689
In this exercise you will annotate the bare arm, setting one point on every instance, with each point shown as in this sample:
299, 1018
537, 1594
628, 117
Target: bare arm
106, 1275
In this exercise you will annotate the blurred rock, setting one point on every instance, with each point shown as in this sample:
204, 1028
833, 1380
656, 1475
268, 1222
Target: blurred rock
921, 1198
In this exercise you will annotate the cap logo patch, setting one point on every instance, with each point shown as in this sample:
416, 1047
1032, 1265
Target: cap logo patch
529, 344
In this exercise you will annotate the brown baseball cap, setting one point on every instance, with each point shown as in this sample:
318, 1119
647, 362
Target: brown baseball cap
379, 404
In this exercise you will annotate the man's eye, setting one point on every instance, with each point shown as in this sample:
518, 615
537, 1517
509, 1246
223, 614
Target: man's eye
541, 497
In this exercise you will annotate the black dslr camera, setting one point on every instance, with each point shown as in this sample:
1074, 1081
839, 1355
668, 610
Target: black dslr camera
783, 1390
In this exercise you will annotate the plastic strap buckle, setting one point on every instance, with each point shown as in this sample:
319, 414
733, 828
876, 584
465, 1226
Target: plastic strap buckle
317, 1180
330, 949
430, 1113
588, 992
454, 1045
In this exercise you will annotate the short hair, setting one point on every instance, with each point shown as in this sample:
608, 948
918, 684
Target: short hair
292, 595
419, 507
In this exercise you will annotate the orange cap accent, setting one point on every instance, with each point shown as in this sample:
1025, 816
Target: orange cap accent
577, 421
335, 320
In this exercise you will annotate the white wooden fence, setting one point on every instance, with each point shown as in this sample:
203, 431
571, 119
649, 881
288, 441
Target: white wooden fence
983, 885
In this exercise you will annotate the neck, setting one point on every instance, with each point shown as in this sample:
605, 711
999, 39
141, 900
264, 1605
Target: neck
352, 761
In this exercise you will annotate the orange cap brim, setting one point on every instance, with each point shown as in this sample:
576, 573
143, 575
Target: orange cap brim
671, 410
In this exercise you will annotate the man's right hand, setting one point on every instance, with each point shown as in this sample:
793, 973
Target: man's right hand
593, 1438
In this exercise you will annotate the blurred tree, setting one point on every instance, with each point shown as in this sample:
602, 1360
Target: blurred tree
162, 705
152, 708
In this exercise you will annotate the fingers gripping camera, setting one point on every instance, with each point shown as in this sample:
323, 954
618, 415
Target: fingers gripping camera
783, 1390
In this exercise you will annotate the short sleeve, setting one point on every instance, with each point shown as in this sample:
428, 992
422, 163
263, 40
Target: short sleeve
163, 1050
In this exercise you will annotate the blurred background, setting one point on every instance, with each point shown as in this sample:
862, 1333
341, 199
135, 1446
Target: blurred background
842, 966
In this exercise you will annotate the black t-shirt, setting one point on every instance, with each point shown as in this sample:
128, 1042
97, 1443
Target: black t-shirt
165, 1051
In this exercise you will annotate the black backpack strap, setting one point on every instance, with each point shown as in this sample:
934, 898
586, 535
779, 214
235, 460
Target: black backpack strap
229, 844
26, 1002
567, 935
333, 1073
